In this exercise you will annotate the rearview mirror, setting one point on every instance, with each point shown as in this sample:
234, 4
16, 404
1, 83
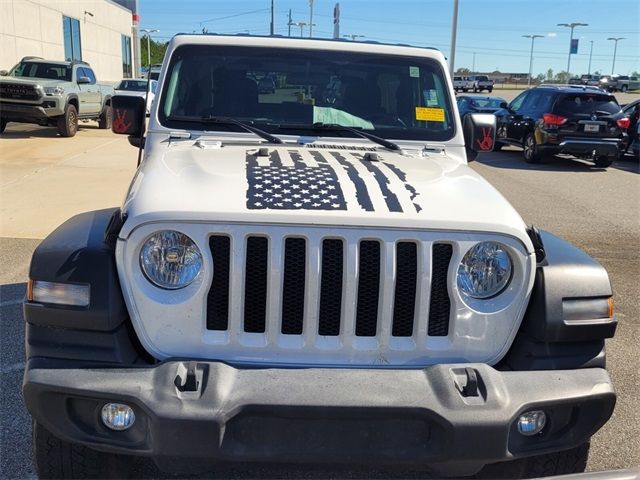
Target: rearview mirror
128, 115
479, 131
83, 80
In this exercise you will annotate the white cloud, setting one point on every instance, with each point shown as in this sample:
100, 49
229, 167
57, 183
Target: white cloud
552, 34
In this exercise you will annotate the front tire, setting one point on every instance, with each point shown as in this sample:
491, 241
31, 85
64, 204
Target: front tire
104, 121
56, 458
603, 162
530, 149
623, 88
3, 125
551, 464
68, 122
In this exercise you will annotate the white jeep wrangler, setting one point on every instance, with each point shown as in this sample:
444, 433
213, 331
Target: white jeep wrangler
312, 275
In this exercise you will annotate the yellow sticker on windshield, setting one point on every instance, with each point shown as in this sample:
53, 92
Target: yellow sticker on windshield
430, 114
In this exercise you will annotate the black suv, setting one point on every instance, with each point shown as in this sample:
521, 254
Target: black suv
582, 121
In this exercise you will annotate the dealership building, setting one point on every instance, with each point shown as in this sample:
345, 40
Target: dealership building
100, 32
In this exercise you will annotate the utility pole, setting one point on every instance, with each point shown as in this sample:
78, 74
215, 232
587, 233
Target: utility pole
272, 16
590, 54
615, 50
454, 28
289, 24
298, 24
533, 38
310, 18
571, 26
473, 68
149, 32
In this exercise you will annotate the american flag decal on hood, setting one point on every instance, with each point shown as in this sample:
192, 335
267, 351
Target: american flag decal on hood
312, 180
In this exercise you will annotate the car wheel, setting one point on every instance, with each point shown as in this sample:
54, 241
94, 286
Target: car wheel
3, 125
623, 88
551, 464
530, 149
68, 122
104, 121
56, 458
498, 146
490, 90
603, 162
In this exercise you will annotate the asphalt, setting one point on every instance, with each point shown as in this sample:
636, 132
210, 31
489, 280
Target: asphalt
598, 210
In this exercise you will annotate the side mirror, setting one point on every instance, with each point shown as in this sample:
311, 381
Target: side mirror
128, 115
83, 80
504, 105
479, 131
4, 73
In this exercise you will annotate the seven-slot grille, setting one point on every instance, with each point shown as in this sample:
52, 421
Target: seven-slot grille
329, 281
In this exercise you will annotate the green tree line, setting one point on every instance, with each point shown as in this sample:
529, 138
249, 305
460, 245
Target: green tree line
157, 51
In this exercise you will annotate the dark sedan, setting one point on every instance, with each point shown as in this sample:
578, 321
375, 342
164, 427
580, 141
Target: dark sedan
478, 104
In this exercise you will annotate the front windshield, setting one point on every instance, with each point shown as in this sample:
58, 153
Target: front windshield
489, 102
52, 71
278, 89
132, 85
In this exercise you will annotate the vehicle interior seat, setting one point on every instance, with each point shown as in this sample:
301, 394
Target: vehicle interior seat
361, 97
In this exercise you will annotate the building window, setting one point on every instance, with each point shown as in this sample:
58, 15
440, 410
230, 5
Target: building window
127, 66
71, 33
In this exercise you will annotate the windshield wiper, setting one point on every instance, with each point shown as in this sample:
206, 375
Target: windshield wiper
210, 120
337, 127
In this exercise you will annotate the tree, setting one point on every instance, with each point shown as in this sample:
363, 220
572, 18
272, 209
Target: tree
562, 77
539, 78
550, 74
157, 51
463, 71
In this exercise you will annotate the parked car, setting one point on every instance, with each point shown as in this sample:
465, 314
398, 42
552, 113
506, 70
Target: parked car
278, 286
462, 84
53, 93
480, 83
137, 88
478, 104
622, 83
547, 120
632, 111
587, 79
153, 73
266, 85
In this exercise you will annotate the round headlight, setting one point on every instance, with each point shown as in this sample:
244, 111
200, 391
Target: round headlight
485, 270
170, 259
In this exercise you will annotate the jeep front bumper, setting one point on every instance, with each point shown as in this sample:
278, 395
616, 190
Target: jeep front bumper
436, 417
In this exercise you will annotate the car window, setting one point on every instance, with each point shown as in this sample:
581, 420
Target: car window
89, 73
50, 71
538, 101
586, 103
399, 97
516, 104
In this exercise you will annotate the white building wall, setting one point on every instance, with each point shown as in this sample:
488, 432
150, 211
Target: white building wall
34, 27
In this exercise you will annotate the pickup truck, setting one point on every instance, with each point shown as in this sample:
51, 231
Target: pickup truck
311, 276
53, 93
480, 83
619, 83
462, 83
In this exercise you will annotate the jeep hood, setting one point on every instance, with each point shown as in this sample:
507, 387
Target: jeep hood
315, 186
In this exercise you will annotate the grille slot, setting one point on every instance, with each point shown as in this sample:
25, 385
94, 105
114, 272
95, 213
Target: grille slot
404, 304
18, 92
255, 286
440, 304
331, 287
368, 289
218, 297
295, 257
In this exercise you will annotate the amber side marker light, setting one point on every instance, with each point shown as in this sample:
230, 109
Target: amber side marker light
72, 294
610, 307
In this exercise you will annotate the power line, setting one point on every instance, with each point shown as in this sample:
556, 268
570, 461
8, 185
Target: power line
235, 15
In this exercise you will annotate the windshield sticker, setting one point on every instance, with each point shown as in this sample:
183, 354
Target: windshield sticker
312, 180
414, 72
430, 114
431, 97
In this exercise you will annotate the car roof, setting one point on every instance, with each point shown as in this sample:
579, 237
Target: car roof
561, 88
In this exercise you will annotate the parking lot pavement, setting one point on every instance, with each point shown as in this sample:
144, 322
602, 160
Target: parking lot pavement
45, 179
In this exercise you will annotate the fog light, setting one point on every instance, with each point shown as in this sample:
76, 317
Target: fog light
117, 416
532, 423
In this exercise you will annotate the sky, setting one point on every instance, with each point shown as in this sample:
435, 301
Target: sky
492, 29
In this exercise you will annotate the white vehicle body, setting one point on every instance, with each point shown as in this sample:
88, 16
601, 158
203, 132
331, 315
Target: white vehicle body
196, 182
462, 83
150, 96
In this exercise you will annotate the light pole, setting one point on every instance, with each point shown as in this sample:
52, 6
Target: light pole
353, 37
299, 24
454, 29
615, 49
590, 54
310, 19
571, 26
473, 67
149, 32
533, 39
